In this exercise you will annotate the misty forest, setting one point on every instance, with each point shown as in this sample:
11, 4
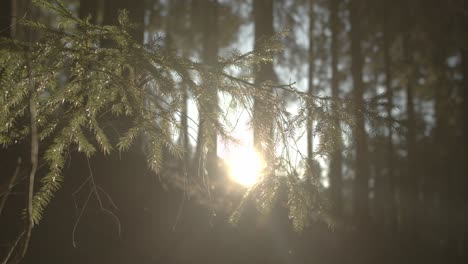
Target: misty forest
233, 131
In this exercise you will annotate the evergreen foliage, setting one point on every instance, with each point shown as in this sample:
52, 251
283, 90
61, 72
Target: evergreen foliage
85, 93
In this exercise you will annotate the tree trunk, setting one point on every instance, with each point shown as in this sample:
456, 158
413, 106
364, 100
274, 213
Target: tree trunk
5, 19
184, 136
336, 162
21, 9
361, 181
207, 134
443, 136
210, 55
465, 76
263, 19
464, 110
196, 7
310, 119
409, 182
184, 127
390, 193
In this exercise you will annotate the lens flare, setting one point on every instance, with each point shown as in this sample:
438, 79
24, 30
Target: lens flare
245, 166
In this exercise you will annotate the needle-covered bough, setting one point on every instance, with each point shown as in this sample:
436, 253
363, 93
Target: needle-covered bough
63, 90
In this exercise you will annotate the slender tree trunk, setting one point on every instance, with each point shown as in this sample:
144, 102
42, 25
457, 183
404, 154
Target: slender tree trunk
263, 18
184, 125
9, 167
184, 137
207, 130
5, 18
336, 162
310, 119
5, 32
464, 110
464, 53
184, 134
409, 182
196, 7
390, 199
210, 55
378, 206
361, 181
443, 141
19, 11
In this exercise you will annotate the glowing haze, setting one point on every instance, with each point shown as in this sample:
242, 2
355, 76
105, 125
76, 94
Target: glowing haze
245, 165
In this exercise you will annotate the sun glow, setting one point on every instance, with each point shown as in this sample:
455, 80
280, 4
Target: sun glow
245, 165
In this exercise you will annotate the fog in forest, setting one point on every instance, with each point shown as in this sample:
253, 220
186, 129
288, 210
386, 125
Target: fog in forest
233, 131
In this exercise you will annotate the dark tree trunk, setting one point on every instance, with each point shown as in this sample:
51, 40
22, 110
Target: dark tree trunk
20, 10
336, 162
13, 205
443, 136
196, 8
390, 193
184, 136
263, 19
409, 180
465, 75
210, 55
361, 181
5, 18
464, 110
310, 119
209, 100
184, 127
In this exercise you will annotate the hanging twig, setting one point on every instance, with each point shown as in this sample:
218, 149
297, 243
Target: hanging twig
34, 158
94, 188
10, 185
12, 248
75, 226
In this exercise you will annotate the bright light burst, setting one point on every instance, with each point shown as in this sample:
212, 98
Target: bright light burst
245, 165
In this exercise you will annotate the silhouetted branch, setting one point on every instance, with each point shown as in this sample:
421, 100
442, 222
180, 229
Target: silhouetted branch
10, 185
34, 160
12, 248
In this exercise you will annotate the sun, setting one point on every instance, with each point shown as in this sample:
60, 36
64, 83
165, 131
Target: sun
245, 165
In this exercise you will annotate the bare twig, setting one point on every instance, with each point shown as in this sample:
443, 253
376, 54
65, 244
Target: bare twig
108, 197
34, 158
98, 198
80, 187
181, 206
94, 189
17, 181
12, 248
75, 226
10, 185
